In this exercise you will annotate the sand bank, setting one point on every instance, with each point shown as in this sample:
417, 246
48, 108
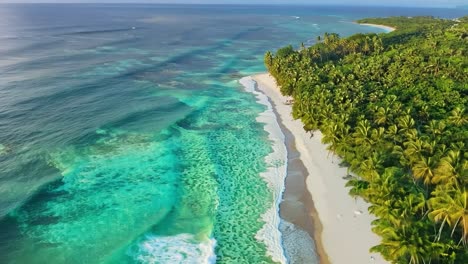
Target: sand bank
387, 28
345, 223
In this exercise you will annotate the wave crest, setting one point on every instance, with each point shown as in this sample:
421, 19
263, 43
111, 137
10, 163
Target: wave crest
183, 248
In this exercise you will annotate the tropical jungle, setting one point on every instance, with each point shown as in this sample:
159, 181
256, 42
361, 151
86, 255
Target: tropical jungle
393, 106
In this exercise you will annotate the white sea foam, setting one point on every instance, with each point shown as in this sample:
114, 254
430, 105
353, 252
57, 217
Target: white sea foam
297, 244
274, 176
182, 248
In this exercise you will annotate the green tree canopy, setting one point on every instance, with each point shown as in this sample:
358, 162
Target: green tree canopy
393, 106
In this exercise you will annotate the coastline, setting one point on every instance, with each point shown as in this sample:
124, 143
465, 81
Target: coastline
388, 28
301, 227
289, 227
342, 224
274, 176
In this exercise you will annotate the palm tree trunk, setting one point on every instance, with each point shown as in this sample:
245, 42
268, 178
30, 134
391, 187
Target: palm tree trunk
440, 229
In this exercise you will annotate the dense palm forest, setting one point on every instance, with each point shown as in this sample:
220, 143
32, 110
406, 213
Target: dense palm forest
393, 106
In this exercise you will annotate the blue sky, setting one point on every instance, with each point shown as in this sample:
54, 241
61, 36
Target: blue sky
426, 3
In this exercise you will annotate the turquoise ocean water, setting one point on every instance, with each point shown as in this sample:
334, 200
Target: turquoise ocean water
125, 136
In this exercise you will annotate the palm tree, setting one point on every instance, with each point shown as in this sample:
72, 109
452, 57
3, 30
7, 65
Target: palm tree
414, 149
382, 115
423, 169
366, 47
268, 59
353, 46
377, 44
402, 244
371, 167
405, 123
392, 133
412, 205
458, 117
362, 134
450, 206
452, 170
435, 128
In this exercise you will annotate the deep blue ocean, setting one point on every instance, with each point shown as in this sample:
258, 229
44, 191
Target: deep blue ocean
125, 136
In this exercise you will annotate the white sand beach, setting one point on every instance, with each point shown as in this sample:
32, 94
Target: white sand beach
387, 28
346, 234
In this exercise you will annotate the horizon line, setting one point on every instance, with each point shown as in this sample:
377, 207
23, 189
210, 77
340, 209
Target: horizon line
244, 4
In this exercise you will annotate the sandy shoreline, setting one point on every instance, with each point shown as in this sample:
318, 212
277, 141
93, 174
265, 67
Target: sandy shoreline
275, 175
346, 234
287, 238
388, 28
297, 209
